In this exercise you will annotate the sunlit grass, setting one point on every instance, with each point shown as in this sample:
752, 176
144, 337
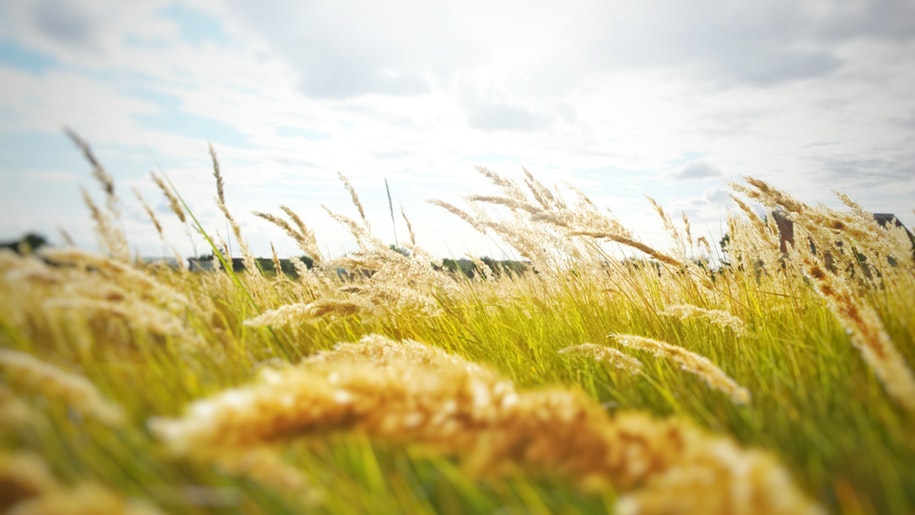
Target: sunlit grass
143, 344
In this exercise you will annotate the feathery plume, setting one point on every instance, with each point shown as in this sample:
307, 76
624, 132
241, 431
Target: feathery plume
28, 373
689, 361
460, 213
412, 393
111, 239
82, 499
220, 184
669, 226
715, 316
409, 226
687, 230
610, 355
124, 274
309, 243
14, 411
301, 234
98, 171
66, 237
174, 203
295, 314
866, 332
150, 213
277, 265
23, 475
355, 197
264, 465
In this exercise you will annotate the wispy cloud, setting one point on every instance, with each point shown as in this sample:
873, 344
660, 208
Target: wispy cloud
696, 170
661, 97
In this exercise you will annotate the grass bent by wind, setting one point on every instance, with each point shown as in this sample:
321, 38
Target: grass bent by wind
611, 376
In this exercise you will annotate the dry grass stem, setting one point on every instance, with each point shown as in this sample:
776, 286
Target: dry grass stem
689, 361
89, 342
460, 213
355, 198
23, 475
220, 184
98, 171
669, 227
174, 203
150, 213
610, 355
309, 242
111, 239
14, 411
715, 316
27, 373
411, 393
825, 227
867, 333
687, 230
123, 274
660, 256
82, 499
296, 314
17, 268
247, 256
409, 226
364, 238
138, 316
701, 240
265, 465
66, 237
304, 237
277, 266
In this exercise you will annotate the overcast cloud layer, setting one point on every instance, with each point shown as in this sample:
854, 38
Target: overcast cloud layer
666, 98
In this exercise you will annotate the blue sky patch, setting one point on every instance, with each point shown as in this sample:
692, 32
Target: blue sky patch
195, 26
301, 132
173, 119
22, 58
21, 152
685, 157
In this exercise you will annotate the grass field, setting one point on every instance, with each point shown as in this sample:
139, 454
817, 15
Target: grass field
609, 377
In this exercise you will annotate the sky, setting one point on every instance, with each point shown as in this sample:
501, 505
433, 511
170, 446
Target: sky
622, 99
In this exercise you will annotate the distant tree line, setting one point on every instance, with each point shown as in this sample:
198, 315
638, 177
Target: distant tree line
498, 267
209, 262
25, 245
464, 266
32, 242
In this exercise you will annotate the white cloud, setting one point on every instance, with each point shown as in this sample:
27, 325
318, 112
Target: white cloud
621, 98
696, 170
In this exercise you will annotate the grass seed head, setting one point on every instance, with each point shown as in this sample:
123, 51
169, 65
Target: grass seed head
689, 361
715, 316
27, 373
608, 354
411, 393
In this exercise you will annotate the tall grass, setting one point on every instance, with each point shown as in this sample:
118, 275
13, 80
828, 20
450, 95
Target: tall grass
611, 377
